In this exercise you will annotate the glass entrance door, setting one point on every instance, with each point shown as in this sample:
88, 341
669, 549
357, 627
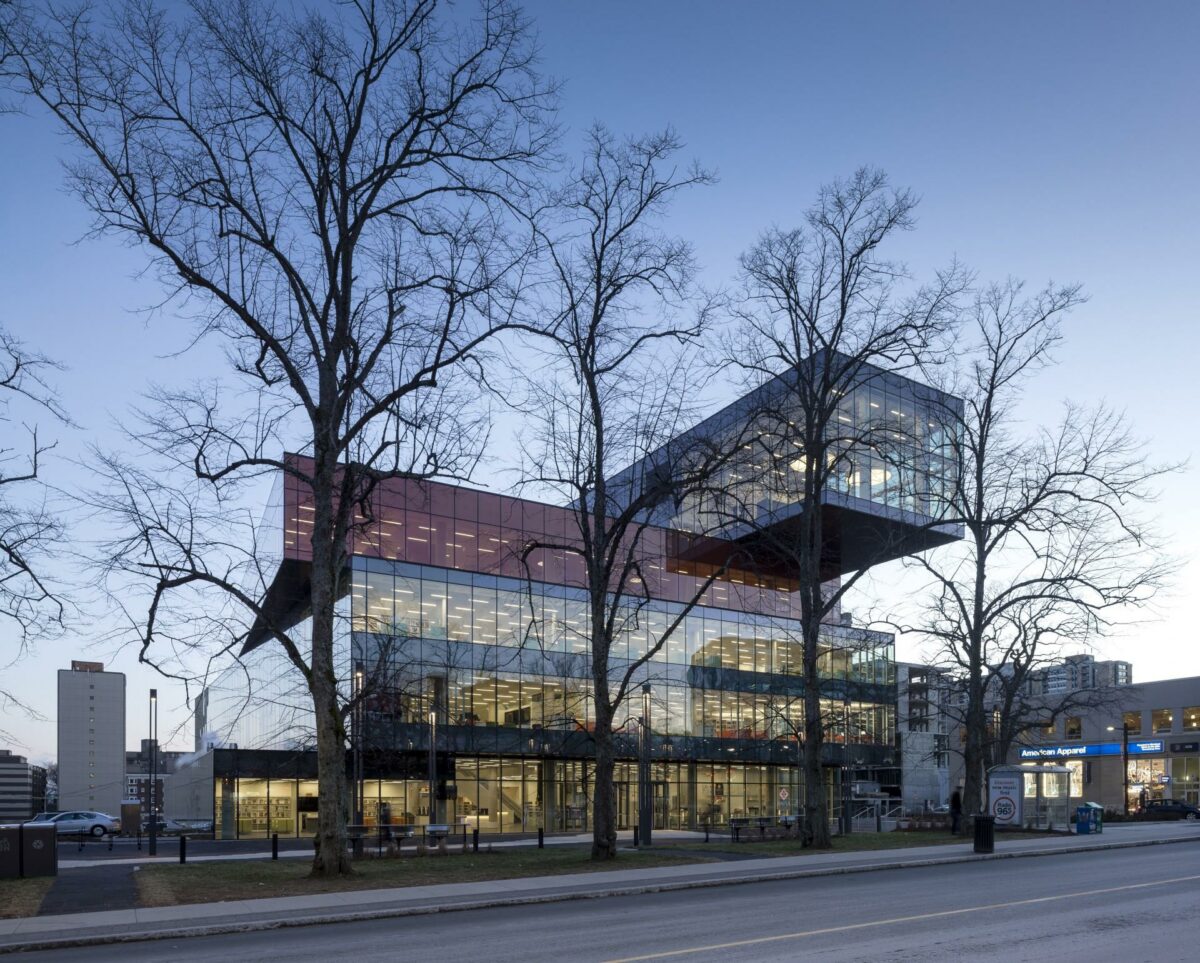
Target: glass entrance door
625, 811
662, 804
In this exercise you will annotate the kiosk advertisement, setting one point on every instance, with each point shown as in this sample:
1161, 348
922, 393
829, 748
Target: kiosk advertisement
1005, 792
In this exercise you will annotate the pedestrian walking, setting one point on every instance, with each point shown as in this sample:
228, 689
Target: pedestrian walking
955, 811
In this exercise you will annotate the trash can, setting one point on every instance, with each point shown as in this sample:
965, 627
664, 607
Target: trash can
985, 834
10, 852
1083, 820
39, 850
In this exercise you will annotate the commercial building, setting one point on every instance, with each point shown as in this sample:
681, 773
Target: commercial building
489, 668
91, 738
22, 787
1140, 743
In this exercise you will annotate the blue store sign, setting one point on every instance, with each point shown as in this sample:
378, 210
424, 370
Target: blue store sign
1140, 747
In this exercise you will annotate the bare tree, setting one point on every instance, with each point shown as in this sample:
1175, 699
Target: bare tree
1055, 547
327, 193
613, 391
821, 319
30, 531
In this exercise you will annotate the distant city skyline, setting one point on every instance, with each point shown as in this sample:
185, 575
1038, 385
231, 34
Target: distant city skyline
1047, 142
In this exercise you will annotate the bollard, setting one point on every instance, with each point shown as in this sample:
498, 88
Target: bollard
706, 832
110, 839
541, 838
274, 845
139, 838
635, 835
182, 849
475, 840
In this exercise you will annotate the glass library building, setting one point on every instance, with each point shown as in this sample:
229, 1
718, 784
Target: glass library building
479, 712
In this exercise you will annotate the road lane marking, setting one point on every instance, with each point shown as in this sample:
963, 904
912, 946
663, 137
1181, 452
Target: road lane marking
712, 947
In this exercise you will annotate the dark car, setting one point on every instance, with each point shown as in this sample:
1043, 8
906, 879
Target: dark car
1171, 809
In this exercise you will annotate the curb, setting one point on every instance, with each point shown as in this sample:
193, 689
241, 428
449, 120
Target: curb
316, 919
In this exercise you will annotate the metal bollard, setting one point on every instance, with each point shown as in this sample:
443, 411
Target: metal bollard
274, 845
475, 840
139, 838
706, 832
110, 839
541, 838
182, 849
635, 835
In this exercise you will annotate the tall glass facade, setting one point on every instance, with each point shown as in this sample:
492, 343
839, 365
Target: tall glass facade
470, 642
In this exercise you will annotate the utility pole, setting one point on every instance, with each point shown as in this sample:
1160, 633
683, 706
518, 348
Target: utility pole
1124, 762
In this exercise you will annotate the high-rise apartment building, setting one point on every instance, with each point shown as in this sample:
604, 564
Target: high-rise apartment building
91, 738
1077, 672
22, 787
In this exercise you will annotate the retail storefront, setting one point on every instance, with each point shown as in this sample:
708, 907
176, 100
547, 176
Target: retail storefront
1154, 769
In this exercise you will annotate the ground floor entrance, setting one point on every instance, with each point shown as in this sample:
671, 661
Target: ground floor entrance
501, 794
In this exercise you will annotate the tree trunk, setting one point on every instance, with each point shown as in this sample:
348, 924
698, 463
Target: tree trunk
330, 858
973, 750
817, 832
604, 800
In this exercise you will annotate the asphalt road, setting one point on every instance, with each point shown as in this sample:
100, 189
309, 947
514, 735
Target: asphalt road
1126, 905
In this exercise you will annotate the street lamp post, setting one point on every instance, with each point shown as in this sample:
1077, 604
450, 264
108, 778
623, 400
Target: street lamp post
357, 717
150, 793
1124, 762
846, 822
433, 806
645, 791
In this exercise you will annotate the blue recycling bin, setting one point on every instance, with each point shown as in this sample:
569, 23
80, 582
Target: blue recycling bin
1089, 818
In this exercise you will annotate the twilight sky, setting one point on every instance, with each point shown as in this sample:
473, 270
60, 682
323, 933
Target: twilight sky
1048, 141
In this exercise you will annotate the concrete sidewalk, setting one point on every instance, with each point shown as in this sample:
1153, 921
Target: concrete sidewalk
242, 915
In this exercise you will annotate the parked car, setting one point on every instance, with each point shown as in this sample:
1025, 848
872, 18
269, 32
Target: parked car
83, 821
1171, 809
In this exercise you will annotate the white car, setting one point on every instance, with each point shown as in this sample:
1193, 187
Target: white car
84, 821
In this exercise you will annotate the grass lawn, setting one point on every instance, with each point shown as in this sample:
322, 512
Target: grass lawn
218, 881
170, 885
22, 897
